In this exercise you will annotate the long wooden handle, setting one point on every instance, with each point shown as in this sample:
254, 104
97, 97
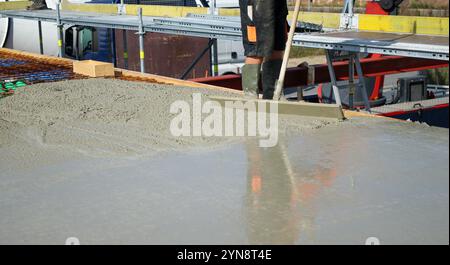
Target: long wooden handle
280, 82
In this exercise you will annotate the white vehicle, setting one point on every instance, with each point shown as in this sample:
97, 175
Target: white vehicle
22, 34
4, 24
231, 53
219, 3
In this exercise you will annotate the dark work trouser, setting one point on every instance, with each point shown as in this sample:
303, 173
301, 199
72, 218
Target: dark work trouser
264, 26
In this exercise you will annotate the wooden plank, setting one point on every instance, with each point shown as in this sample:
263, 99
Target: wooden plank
93, 68
290, 108
172, 81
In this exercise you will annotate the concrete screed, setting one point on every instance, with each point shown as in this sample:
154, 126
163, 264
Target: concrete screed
94, 159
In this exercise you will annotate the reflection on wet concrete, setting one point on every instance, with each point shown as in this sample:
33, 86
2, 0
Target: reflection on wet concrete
282, 191
279, 197
329, 186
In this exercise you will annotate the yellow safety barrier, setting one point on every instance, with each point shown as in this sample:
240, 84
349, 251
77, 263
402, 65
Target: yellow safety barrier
165, 11
147, 10
405, 24
327, 20
14, 5
397, 24
95, 8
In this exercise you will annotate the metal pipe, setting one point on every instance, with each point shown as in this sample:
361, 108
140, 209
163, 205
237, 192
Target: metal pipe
211, 70
76, 43
213, 7
300, 93
194, 63
59, 25
113, 47
350, 7
214, 49
141, 40
362, 82
121, 8
41, 44
337, 96
351, 81
125, 49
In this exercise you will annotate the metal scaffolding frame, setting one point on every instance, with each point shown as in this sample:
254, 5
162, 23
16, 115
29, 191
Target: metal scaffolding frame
407, 45
213, 27
220, 27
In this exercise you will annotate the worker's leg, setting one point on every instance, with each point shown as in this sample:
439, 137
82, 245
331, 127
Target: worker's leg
254, 60
270, 73
251, 71
251, 74
272, 65
37, 5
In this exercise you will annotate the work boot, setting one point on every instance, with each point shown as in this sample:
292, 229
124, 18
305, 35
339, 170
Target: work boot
270, 74
251, 73
37, 5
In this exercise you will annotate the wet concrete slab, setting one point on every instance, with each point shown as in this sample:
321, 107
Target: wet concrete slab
336, 185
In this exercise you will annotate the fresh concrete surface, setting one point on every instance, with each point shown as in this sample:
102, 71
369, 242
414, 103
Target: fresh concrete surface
324, 183
108, 117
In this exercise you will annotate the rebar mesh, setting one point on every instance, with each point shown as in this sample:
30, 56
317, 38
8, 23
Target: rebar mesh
31, 70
